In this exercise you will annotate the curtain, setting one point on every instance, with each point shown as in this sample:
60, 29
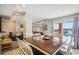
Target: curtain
52, 26
76, 32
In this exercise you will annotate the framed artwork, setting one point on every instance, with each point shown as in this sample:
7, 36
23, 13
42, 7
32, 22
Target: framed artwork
44, 26
21, 26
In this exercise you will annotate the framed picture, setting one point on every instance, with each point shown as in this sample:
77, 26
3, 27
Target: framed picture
21, 26
44, 26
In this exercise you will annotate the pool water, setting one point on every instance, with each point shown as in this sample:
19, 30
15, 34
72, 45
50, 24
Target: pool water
65, 38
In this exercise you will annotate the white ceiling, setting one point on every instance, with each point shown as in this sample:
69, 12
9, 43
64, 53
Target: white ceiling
42, 11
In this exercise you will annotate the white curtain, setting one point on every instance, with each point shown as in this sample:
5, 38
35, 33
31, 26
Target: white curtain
76, 32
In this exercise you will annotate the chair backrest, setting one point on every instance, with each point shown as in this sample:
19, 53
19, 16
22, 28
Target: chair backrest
66, 47
69, 47
26, 49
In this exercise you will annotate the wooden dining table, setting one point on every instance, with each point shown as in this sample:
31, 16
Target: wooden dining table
44, 46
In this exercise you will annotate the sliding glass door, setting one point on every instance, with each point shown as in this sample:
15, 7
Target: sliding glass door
66, 30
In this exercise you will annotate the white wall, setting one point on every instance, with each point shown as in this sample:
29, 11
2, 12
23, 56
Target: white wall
28, 25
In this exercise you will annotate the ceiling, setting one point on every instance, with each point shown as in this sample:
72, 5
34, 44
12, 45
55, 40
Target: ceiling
42, 11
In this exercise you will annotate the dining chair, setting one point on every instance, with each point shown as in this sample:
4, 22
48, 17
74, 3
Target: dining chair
25, 48
66, 48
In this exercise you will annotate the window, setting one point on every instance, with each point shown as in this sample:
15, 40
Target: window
67, 30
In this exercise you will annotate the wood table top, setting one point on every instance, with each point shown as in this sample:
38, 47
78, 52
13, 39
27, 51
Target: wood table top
45, 45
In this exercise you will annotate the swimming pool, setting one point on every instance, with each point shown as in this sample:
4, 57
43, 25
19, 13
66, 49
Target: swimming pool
66, 38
